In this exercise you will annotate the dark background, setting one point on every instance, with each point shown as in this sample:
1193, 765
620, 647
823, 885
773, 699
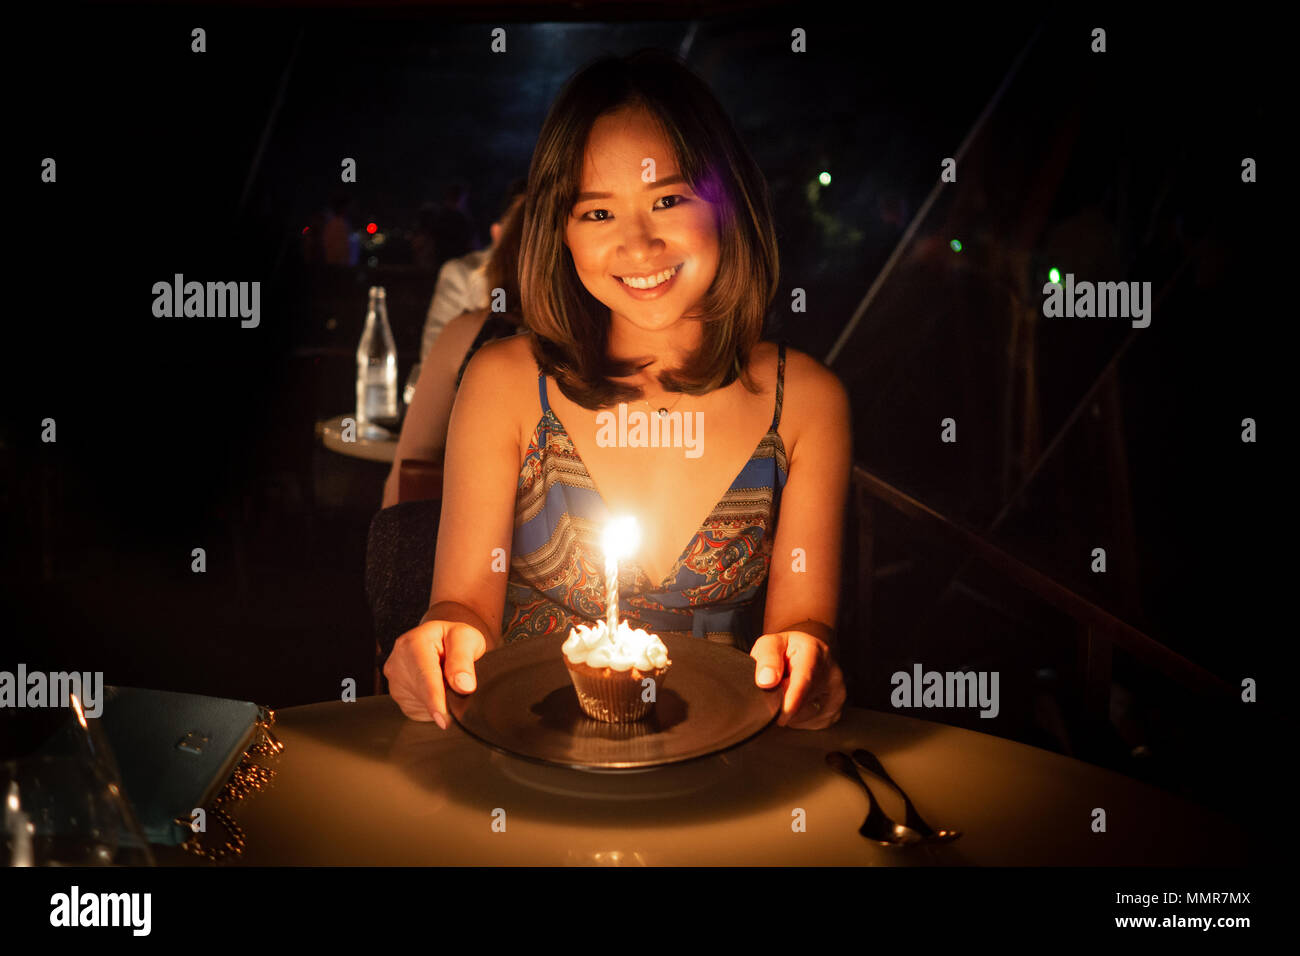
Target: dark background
183, 433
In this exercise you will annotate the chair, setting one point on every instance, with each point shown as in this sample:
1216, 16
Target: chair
419, 480
399, 558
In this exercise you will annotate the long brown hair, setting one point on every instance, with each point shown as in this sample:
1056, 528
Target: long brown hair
570, 326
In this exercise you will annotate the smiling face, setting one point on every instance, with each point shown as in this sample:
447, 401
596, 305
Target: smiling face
623, 228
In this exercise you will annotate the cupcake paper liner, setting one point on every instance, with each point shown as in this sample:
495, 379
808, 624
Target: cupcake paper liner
613, 696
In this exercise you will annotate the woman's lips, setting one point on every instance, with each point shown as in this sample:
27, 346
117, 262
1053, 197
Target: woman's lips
643, 295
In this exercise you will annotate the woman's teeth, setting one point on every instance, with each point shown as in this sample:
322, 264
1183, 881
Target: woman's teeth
649, 282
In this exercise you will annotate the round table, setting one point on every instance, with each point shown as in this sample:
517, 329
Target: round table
360, 784
330, 432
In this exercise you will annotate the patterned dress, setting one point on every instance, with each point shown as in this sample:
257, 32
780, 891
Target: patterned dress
557, 569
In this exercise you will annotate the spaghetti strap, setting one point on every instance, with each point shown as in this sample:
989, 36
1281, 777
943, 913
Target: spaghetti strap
780, 385
541, 392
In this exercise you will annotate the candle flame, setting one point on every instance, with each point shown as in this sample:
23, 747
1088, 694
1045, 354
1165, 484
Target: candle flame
622, 535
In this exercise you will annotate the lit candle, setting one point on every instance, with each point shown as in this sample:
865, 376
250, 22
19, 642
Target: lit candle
621, 536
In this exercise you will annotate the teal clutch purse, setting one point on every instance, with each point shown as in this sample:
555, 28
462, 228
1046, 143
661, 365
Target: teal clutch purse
175, 753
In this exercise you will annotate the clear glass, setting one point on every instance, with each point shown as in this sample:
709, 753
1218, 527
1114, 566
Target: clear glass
64, 805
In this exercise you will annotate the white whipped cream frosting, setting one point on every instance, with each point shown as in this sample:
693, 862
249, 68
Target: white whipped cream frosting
622, 651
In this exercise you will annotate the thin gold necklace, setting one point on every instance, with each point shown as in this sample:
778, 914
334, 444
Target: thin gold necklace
663, 410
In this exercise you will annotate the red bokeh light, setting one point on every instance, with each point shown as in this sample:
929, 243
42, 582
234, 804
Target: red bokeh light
371, 228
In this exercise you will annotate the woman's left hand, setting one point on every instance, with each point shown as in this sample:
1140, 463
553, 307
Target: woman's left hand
813, 682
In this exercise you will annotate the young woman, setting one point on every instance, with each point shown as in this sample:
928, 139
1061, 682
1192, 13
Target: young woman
647, 262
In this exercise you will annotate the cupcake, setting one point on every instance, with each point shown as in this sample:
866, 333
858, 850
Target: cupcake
607, 670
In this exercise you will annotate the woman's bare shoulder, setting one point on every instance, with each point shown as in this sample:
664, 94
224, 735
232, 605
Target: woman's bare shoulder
803, 374
813, 395
802, 369
504, 372
506, 359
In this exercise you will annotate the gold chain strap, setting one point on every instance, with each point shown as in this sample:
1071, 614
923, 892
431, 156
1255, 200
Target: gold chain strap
248, 778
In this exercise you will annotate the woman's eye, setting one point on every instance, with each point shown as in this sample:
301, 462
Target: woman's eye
601, 215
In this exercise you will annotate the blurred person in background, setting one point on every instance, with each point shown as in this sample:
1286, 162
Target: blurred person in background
424, 432
461, 286
453, 227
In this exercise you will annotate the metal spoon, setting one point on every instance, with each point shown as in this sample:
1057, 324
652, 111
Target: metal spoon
869, 760
877, 826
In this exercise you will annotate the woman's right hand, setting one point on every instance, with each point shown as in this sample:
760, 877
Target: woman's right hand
422, 656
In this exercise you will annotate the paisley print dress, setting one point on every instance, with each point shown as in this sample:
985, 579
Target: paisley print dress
557, 568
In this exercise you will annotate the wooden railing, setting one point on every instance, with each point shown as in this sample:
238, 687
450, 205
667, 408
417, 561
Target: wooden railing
1099, 631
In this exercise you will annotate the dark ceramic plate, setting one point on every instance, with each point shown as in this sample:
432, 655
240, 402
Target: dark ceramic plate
525, 706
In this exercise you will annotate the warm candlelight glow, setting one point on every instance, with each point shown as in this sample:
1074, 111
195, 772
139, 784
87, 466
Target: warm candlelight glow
621, 536
621, 539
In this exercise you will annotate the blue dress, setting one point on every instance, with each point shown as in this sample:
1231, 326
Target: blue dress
557, 568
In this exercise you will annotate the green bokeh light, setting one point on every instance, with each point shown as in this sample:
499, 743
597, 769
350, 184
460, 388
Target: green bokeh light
955, 244
824, 179
1054, 275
